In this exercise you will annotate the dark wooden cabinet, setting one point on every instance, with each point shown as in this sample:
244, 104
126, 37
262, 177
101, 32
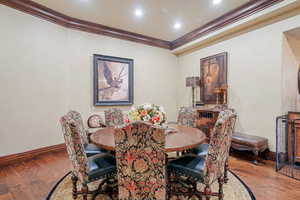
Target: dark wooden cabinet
206, 119
293, 137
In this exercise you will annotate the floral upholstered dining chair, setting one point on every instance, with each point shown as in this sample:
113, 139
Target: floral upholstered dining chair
114, 117
202, 149
141, 161
212, 167
83, 132
85, 170
187, 116
89, 148
95, 121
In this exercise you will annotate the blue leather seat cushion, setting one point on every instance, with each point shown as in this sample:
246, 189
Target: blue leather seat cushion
91, 149
101, 165
201, 150
188, 165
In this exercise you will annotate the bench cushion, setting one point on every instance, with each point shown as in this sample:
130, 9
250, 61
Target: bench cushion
243, 141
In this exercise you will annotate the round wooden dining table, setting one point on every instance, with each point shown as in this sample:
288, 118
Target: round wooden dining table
178, 138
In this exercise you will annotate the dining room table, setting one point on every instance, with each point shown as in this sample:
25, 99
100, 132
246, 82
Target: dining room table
178, 138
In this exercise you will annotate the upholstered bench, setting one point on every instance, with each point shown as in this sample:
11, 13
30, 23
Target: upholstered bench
244, 142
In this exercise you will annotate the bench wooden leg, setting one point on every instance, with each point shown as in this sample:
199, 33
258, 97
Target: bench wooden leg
256, 158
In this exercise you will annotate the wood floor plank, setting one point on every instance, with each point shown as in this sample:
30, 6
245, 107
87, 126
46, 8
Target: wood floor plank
264, 181
6, 196
33, 179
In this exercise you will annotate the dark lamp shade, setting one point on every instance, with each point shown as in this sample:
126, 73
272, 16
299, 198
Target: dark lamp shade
193, 81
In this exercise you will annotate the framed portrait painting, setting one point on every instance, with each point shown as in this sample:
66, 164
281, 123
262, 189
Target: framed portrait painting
213, 77
113, 81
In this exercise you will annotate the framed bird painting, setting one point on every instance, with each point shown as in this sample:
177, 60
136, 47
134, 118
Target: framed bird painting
113, 81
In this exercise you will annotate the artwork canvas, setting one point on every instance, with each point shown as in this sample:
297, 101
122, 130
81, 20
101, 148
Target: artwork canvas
214, 76
113, 81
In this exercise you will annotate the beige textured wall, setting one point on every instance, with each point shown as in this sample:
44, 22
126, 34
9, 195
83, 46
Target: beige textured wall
293, 47
289, 74
46, 70
294, 43
254, 74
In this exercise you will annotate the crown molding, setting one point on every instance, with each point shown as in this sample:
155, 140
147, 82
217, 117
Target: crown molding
53, 16
257, 21
235, 15
48, 14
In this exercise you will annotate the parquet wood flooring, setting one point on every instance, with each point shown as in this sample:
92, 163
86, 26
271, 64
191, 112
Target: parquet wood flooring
33, 179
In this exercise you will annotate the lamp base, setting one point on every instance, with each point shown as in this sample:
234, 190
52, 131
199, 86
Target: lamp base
199, 103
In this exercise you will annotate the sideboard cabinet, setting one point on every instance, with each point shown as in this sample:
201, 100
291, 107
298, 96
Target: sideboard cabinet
206, 119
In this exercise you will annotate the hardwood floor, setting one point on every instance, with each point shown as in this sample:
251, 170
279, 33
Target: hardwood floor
33, 179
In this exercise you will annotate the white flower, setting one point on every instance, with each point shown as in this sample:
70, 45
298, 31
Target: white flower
147, 118
162, 109
147, 106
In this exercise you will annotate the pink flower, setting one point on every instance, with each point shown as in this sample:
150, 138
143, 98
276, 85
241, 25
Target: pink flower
144, 113
127, 120
155, 119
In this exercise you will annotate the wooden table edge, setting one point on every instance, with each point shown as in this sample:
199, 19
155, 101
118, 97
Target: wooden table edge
167, 150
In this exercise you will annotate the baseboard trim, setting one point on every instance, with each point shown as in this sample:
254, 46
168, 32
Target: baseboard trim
20, 157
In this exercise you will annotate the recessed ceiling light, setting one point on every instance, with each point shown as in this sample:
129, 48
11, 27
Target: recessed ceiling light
138, 12
217, 1
177, 25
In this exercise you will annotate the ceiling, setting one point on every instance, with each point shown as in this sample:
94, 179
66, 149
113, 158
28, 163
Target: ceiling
158, 19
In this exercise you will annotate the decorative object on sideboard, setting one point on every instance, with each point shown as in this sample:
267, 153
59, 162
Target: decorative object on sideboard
288, 145
218, 94
113, 81
199, 103
221, 94
224, 90
214, 78
193, 82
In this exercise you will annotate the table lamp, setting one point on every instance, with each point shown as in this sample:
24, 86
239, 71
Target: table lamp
193, 82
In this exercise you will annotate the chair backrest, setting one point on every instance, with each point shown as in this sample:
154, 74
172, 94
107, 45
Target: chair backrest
95, 121
73, 140
141, 161
114, 117
76, 116
187, 116
218, 151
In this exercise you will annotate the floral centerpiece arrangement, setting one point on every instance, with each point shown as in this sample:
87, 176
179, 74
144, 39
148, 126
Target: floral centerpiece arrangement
147, 112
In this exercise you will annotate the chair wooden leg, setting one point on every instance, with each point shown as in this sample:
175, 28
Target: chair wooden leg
221, 194
226, 172
207, 192
74, 181
84, 191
